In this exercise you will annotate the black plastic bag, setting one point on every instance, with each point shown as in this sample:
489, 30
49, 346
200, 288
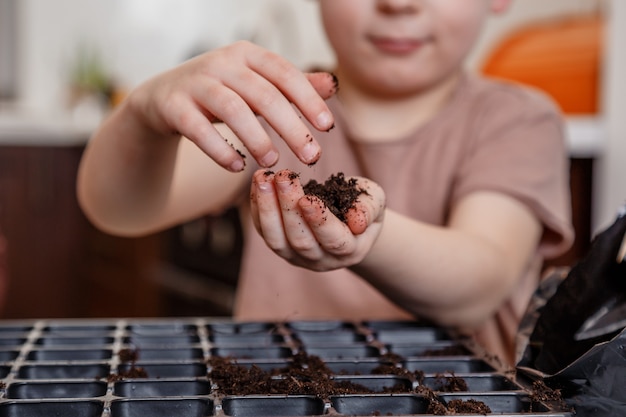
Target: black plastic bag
589, 371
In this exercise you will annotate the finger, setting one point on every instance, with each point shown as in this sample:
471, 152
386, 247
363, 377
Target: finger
190, 122
357, 218
295, 86
266, 213
299, 235
266, 99
232, 109
331, 233
369, 208
325, 83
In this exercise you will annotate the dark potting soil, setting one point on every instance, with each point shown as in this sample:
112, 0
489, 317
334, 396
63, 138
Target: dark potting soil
128, 356
309, 375
338, 193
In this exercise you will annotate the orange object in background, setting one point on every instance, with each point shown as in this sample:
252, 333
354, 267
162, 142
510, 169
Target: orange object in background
561, 57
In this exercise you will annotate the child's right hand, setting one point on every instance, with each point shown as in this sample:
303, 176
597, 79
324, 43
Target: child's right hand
234, 84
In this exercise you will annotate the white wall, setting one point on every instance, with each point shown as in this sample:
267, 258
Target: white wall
137, 38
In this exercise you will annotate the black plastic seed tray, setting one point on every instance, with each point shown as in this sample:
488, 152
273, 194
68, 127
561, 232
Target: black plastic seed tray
167, 367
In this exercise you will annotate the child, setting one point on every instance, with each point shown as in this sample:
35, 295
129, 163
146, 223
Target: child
466, 179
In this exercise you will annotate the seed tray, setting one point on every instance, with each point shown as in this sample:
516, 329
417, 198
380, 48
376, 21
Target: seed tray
162, 367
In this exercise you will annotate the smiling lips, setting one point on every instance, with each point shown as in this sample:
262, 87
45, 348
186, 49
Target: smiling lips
397, 46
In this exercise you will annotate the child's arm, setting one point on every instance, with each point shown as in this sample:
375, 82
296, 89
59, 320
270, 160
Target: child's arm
137, 174
456, 275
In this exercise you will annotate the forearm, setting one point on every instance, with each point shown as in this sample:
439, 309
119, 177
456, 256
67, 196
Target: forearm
125, 174
444, 274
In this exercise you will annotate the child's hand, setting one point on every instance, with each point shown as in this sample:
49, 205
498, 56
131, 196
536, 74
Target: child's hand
232, 85
302, 230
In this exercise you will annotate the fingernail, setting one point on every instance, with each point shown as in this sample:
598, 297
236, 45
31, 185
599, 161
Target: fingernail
306, 205
310, 152
324, 120
237, 165
269, 159
264, 187
335, 83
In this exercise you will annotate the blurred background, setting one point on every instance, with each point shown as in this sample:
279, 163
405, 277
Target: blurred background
65, 64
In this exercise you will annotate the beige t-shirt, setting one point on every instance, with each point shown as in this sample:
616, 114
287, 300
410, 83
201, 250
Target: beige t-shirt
490, 136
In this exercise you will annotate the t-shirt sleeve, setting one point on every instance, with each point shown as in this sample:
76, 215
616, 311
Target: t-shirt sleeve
517, 147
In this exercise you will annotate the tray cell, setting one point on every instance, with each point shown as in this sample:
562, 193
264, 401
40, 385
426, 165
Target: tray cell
10, 328
161, 408
91, 371
482, 383
242, 327
8, 355
34, 390
142, 341
256, 406
380, 405
320, 326
343, 351
355, 367
74, 330
145, 389
73, 341
501, 403
161, 329
170, 354
378, 383
266, 365
175, 370
330, 338
437, 349
69, 355
52, 408
275, 352
4, 371
444, 365
256, 339
155, 341
12, 341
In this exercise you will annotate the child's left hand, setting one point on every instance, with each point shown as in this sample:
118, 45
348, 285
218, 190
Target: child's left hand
303, 231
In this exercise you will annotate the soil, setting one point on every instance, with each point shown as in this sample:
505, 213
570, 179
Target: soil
450, 383
126, 356
309, 375
541, 392
337, 193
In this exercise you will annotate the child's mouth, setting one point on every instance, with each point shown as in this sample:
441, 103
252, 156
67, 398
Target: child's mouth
397, 46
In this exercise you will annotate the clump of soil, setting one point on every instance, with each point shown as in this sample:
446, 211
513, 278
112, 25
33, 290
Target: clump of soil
542, 392
132, 372
468, 407
337, 193
450, 383
128, 355
392, 365
457, 406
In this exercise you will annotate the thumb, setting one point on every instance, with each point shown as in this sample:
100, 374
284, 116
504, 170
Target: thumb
368, 209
